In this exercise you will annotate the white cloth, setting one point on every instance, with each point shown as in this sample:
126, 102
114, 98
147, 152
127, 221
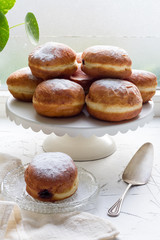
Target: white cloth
17, 224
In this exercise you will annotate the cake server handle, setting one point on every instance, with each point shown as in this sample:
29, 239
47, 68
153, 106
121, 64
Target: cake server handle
114, 211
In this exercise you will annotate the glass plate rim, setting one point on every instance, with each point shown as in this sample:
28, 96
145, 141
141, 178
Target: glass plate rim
71, 206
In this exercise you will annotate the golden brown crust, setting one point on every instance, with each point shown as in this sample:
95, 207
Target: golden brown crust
107, 55
113, 91
111, 62
146, 96
79, 57
51, 176
146, 83
58, 98
113, 117
51, 197
82, 78
143, 78
100, 72
50, 74
25, 97
22, 84
113, 100
52, 60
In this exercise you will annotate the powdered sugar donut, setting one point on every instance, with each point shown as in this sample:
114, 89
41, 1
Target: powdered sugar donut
146, 83
51, 176
106, 61
58, 98
52, 60
113, 100
22, 84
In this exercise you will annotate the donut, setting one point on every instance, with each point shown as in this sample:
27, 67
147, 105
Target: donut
146, 83
58, 98
79, 57
22, 84
113, 100
82, 78
51, 176
52, 60
106, 62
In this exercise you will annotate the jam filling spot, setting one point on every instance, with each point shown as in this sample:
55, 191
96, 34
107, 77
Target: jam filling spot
83, 62
45, 194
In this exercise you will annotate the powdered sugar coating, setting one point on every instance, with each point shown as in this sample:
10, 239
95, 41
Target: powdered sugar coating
114, 92
115, 85
143, 78
49, 51
113, 50
144, 74
61, 84
52, 164
106, 54
45, 53
26, 71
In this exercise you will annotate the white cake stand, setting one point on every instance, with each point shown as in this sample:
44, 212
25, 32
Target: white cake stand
82, 137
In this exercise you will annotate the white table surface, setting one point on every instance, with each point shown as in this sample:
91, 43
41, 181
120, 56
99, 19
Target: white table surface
140, 215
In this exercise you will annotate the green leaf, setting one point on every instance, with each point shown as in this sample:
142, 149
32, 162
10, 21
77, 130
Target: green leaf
4, 31
6, 5
32, 28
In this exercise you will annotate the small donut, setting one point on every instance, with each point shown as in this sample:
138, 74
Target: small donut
51, 176
106, 61
146, 83
113, 100
79, 57
83, 79
22, 84
52, 60
58, 98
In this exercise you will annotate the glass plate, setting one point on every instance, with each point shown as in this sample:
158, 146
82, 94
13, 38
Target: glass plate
14, 189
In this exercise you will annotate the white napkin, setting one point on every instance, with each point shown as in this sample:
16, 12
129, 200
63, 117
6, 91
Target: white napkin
17, 224
11, 226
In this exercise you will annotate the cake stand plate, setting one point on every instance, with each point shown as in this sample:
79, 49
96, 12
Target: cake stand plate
82, 137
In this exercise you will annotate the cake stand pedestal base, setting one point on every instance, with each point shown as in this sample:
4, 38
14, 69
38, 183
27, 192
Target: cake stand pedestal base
81, 148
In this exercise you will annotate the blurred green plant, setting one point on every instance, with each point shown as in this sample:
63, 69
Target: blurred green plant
30, 23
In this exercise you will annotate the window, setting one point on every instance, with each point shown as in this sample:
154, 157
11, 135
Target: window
132, 25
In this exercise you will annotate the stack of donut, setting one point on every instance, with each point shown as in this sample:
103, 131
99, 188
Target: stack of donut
60, 81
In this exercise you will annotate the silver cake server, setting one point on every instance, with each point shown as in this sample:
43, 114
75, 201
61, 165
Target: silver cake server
137, 172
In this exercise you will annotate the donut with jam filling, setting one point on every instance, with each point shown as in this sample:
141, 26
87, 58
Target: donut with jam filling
51, 177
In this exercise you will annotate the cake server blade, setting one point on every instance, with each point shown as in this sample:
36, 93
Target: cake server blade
137, 172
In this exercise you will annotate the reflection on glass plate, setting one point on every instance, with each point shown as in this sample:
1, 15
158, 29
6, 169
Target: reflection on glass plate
13, 188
